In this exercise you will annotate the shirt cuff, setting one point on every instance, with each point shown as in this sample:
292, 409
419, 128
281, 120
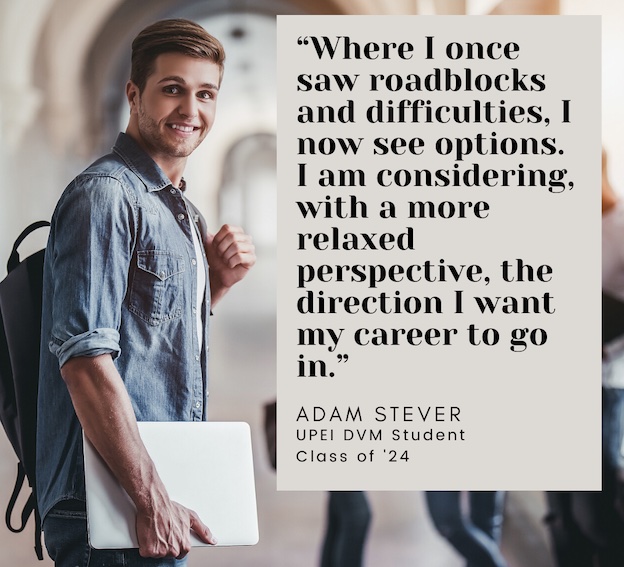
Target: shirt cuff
91, 343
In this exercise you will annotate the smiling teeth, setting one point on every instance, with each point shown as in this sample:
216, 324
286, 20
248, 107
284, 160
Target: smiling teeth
182, 128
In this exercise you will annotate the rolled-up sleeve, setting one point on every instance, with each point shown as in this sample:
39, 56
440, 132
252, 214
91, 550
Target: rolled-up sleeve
91, 343
93, 235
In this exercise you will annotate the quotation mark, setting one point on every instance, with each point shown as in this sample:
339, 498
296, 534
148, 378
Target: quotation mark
302, 40
343, 357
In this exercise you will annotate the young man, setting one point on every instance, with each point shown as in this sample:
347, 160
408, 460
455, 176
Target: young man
127, 297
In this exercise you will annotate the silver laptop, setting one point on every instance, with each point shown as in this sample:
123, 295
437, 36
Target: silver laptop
205, 466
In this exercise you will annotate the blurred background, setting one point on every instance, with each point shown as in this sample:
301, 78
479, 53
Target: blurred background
64, 66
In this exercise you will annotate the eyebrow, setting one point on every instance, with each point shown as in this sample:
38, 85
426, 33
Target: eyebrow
180, 80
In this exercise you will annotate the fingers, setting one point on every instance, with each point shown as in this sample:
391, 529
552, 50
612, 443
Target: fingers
171, 536
201, 529
176, 543
184, 550
234, 246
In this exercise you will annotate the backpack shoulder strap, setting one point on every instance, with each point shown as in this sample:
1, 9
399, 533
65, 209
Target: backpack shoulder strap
14, 259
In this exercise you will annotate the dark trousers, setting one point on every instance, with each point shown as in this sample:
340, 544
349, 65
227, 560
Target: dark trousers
348, 518
474, 533
67, 543
586, 529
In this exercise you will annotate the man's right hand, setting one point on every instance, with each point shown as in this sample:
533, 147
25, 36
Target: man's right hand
164, 530
106, 415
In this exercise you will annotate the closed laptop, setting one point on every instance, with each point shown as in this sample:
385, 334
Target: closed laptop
205, 466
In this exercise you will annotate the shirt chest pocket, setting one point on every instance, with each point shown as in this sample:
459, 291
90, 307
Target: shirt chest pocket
156, 286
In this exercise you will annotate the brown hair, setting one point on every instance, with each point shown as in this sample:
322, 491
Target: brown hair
167, 36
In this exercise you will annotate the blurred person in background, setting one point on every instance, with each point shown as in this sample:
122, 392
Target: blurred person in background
587, 528
475, 533
348, 519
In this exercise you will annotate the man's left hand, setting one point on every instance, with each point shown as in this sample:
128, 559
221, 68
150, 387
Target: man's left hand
230, 255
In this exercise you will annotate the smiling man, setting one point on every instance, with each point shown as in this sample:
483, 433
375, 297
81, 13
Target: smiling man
129, 283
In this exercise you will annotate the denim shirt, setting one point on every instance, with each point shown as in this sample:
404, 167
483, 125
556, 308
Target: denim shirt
120, 278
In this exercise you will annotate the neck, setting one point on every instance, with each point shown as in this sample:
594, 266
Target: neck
173, 171
172, 167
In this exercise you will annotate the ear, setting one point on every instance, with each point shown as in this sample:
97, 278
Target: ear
133, 95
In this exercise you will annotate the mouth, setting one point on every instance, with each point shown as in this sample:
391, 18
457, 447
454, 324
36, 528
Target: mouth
183, 129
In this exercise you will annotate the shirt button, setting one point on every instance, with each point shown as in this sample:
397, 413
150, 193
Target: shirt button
162, 275
194, 310
181, 216
173, 191
193, 261
197, 405
196, 357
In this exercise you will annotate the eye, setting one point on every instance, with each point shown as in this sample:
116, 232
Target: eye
172, 89
206, 95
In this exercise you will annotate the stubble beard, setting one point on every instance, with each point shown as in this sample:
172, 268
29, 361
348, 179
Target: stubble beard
154, 137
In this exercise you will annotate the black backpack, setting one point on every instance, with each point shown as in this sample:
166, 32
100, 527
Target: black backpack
20, 332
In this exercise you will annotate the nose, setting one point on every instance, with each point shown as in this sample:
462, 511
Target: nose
188, 107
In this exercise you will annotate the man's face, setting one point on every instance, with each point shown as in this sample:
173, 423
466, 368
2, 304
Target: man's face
177, 107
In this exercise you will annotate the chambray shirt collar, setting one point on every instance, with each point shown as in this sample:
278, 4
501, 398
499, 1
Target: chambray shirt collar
141, 163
